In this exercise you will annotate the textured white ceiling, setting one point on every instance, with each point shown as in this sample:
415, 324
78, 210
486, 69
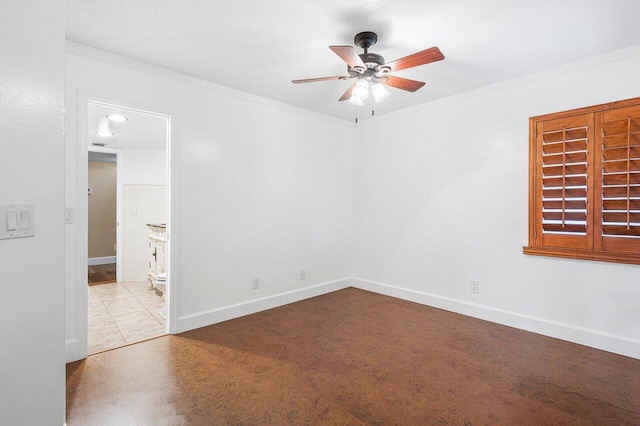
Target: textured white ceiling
260, 46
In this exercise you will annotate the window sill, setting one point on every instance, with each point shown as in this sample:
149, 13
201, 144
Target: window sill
629, 258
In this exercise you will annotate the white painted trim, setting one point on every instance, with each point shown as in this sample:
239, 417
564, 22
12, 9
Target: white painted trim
90, 52
71, 350
93, 53
213, 316
92, 261
583, 336
78, 350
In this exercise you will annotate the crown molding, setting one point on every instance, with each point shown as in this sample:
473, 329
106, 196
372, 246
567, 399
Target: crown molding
101, 55
600, 60
607, 58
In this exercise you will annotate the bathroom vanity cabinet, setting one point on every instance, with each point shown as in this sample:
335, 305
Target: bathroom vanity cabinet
156, 278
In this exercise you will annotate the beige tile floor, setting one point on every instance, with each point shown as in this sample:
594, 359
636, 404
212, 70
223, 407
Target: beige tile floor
122, 313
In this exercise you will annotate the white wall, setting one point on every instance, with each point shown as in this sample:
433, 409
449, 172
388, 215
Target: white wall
144, 176
144, 166
441, 198
142, 204
260, 189
32, 374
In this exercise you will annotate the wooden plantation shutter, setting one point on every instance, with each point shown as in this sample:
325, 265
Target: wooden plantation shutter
584, 183
562, 203
619, 155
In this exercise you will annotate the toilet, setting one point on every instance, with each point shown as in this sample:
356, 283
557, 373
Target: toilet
160, 283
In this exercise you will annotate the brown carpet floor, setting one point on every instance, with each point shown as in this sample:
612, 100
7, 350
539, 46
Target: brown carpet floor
354, 358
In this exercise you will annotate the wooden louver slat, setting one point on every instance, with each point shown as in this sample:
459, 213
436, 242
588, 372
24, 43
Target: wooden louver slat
621, 179
567, 204
614, 141
565, 193
621, 217
552, 182
621, 230
565, 158
571, 146
621, 153
573, 216
565, 170
621, 204
620, 191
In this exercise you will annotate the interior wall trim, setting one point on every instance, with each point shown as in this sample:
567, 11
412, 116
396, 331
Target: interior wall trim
583, 336
71, 350
600, 60
90, 52
213, 316
92, 261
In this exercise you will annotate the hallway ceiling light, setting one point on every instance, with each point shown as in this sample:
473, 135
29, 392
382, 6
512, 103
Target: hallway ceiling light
117, 118
103, 128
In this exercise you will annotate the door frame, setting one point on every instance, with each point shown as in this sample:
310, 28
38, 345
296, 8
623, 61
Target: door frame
80, 299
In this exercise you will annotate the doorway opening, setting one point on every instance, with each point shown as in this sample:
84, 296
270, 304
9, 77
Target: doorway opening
127, 204
102, 220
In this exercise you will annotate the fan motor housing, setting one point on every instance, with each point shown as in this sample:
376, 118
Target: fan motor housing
372, 60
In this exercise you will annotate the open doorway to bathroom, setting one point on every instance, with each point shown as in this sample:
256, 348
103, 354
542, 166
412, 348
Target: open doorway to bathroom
127, 218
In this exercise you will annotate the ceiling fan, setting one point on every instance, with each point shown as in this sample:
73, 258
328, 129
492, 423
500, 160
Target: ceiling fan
372, 72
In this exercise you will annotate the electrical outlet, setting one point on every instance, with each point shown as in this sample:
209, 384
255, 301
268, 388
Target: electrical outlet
256, 283
474, 287
303, 274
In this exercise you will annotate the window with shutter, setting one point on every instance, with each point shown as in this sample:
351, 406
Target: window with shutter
562, 181
620, 165
584, 186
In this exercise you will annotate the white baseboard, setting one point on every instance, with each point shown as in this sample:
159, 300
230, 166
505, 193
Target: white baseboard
583, 336
101, 260
213, 316
71, 350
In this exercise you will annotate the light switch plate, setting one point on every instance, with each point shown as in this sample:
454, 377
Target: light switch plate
25, 219
68, 215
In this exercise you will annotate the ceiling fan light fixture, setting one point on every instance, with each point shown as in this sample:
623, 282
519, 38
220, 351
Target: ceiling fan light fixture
372, 71
361, 90
380, 93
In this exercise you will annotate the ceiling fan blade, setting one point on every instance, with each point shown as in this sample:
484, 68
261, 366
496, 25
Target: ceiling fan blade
313, 80
403, 83
426, 56
349, 55
347, 95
